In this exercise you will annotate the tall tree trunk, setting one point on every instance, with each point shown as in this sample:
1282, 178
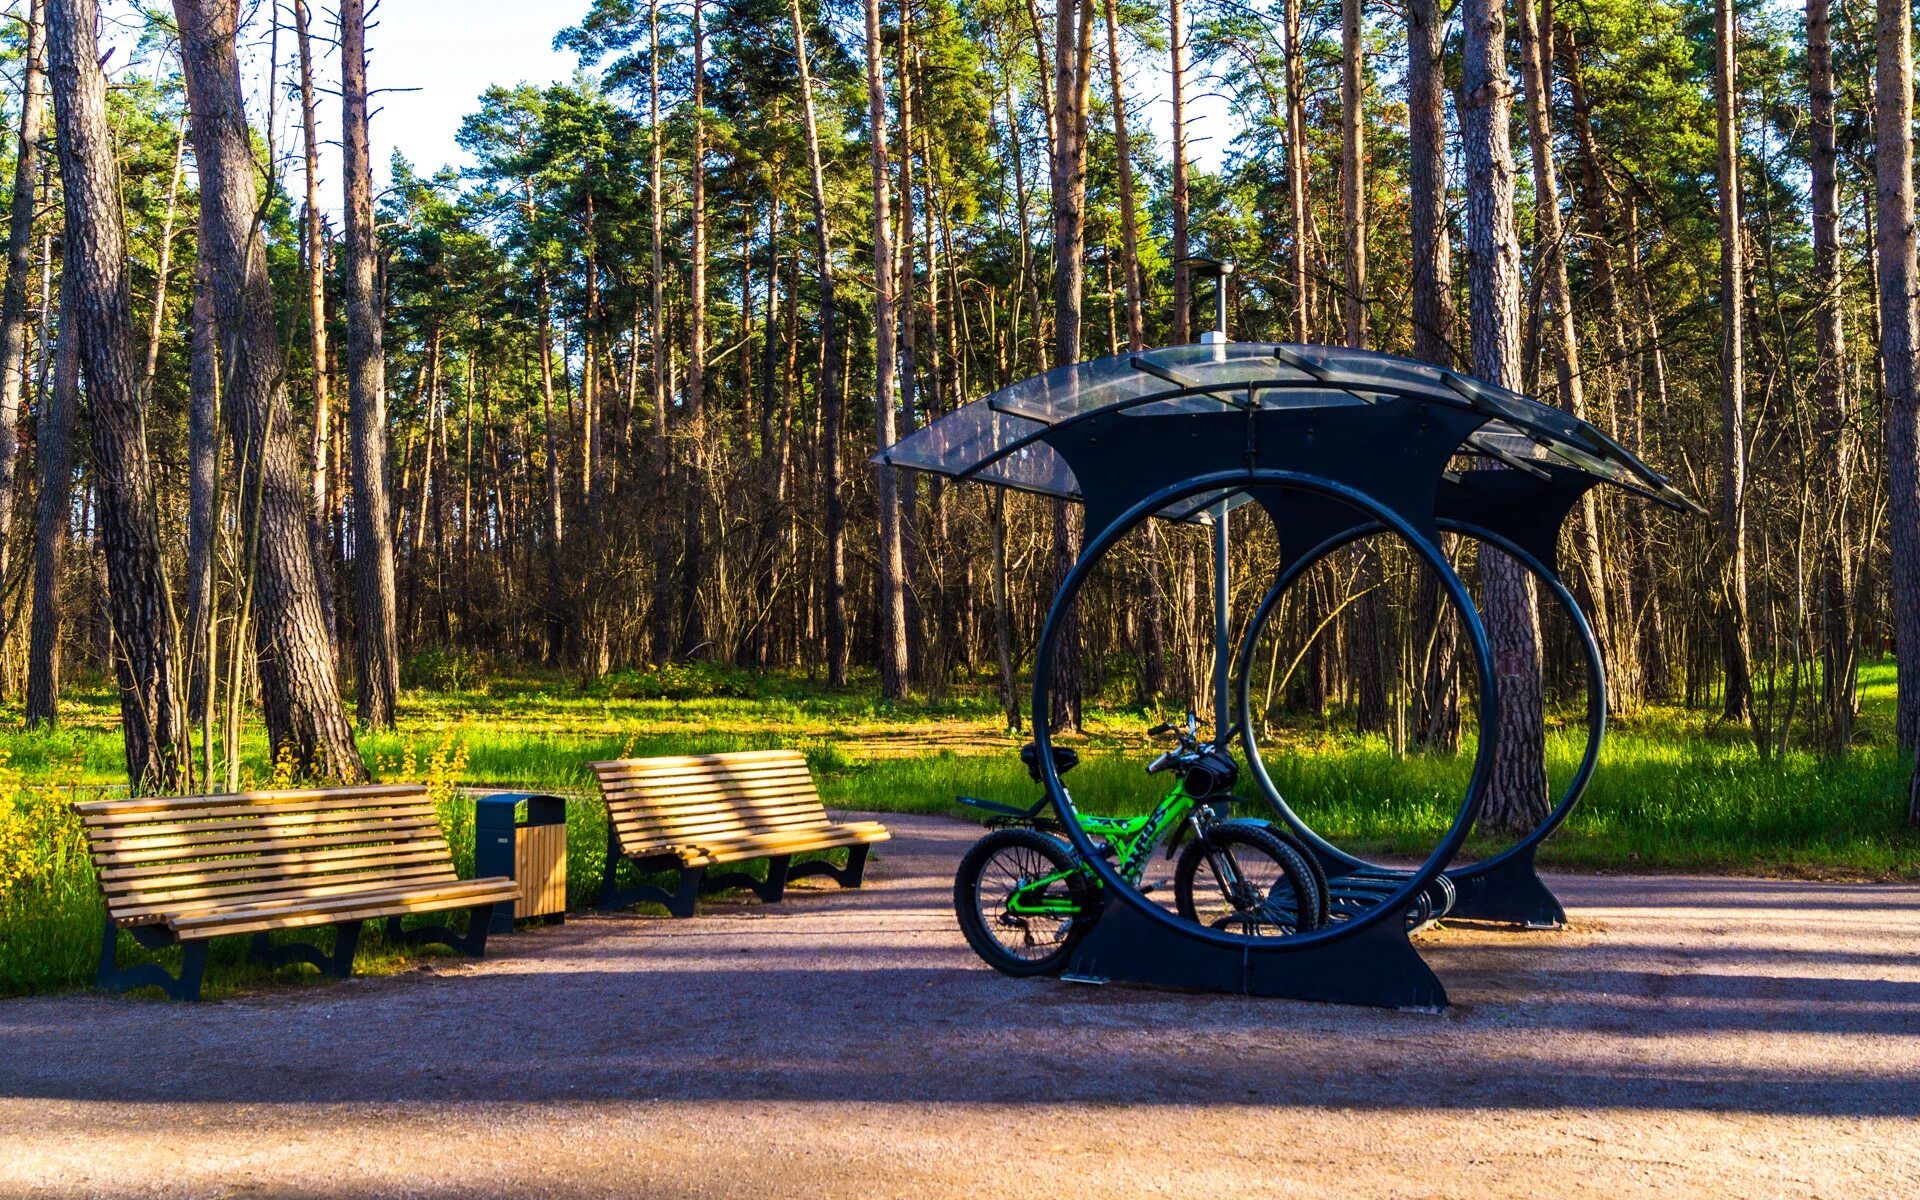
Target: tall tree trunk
102, 318
376, 609
1733, 367
1123, 162
13, 302
306, 721
893, 598
1072, 87
1893, 159
1153, 640
1839, 663
1297, 171
1517, 798
663, 457
53, 433
693, 564
203, 470
314, 236
827, 386
1353, 168
1427, 182
1177, 199
1550, 242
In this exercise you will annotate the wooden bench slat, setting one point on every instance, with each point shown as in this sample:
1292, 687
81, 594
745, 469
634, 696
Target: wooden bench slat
641, 771
731, 757
772, 806
499, 891
243, 841
134, 905
797, 817
301, 862
822, 838
669, 778
374, 893
694, 789
378, 858
649, 836
129, 834
741, 849
303, 797
788, 813
120, 820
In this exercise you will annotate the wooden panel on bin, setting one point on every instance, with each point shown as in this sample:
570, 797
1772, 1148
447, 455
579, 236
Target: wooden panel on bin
540, 867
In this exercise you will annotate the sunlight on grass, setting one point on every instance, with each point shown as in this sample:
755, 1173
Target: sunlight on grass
1676, 789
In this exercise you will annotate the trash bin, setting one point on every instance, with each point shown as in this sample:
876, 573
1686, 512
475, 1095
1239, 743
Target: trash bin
531, 851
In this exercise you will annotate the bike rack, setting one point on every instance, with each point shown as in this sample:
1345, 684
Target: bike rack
1331, 444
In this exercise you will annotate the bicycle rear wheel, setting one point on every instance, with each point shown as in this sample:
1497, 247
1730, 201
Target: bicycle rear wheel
1003, 865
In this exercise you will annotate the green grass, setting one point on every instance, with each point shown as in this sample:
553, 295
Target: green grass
1676, 790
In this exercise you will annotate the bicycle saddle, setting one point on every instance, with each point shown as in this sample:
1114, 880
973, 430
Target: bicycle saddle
1063, 759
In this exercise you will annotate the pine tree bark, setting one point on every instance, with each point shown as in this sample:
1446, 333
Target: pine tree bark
1072, 84
693, 564
13, 301
1353, 167
53, 434
663, 457
827, 386
1177, 198
314, 238
1550, 241
1432, 270
1733, 366
1517, 797
1153, 627
1297, 172
1894, 239
300, 695
203, 467
892, 598
1838, 659
375, 602
102, 319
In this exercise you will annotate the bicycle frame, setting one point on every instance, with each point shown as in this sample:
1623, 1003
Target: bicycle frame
1133, 839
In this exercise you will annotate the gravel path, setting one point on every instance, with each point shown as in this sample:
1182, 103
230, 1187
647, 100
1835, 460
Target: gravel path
1685, 1037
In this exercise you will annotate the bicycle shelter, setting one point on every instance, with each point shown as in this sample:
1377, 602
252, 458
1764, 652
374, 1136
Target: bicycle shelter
1332, 445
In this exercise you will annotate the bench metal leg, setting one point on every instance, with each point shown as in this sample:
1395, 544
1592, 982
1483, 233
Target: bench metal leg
771, 891
186, 986
339, 964
472, 943
849, 876
680, 902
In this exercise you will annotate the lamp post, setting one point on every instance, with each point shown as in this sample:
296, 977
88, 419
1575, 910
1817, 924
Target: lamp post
1219, 271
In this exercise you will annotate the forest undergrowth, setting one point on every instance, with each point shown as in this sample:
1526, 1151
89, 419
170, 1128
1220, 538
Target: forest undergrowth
1675, 791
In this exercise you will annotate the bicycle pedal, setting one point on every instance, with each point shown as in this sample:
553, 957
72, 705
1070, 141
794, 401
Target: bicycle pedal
1146, 889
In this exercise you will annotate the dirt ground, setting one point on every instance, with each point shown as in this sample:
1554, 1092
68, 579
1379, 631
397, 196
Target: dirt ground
1686, 1037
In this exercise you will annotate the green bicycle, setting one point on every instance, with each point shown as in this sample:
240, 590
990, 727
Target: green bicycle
1025, 898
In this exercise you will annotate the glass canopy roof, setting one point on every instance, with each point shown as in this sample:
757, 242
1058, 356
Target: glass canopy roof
999, 440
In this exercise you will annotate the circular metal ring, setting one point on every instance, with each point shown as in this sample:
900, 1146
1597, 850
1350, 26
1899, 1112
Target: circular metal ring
1238, 480
1596, 693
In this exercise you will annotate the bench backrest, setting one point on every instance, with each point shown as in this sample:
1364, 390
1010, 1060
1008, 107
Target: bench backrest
159, 857
654, 803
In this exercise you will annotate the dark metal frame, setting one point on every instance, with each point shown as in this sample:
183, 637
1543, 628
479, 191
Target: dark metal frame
693, 882
1505, 886
1364, 960
337, 963
1324, 474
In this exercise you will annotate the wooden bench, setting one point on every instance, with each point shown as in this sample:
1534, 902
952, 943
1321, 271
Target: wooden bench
186, 869
707, 810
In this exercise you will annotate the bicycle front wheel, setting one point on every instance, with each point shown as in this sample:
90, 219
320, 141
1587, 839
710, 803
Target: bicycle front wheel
1242, 879
1020, 925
